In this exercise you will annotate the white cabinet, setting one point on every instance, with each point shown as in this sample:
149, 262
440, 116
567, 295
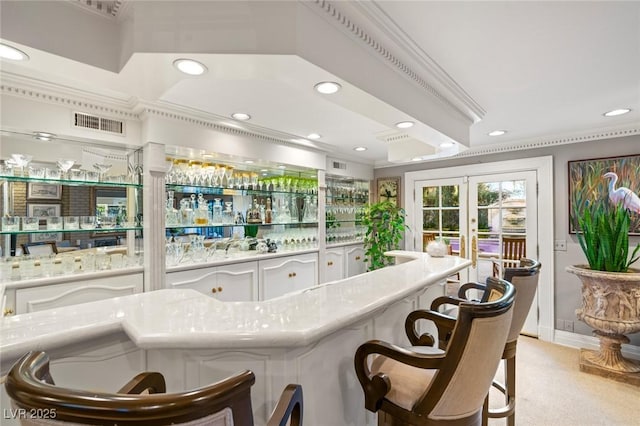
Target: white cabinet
334, 264
286, 274
229, 283
343, 262
33, 299
354, 260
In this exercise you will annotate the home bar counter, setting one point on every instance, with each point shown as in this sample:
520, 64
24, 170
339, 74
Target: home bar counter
307, 337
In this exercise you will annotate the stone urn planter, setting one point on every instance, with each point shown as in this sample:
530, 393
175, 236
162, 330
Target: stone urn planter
611, 305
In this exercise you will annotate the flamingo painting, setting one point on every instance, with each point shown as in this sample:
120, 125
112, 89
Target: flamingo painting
622, 195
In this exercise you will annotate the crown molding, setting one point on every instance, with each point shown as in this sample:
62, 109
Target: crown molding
136, 109
552, 140
209, 121
43, 91
472, 111
534, 143
372, 11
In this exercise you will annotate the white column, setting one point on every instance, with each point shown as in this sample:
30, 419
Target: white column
154, 216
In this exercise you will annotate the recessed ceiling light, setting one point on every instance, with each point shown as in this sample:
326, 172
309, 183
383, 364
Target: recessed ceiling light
264, 170
241, 116
314, 136
359, 148
497, 133
248, 161
416, 159
281, 166
446, 144
9, 52
327, 87
189, 66
404, 124
615, 112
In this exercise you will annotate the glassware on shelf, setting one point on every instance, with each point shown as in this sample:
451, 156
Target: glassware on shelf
71, 222
54, 223
10, 223
77, 174
102, 169
172, 218
30, 223
220, 174
227, 214
201, 214
253, 213
87, 222
107, 222
174, 253
21, 161
65, 166
217, 211
37, 172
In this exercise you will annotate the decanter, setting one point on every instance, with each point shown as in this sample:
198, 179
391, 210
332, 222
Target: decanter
171, 215
253, 214
202, 212
217, 211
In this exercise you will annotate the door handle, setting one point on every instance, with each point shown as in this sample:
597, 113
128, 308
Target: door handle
474, 251
463, 247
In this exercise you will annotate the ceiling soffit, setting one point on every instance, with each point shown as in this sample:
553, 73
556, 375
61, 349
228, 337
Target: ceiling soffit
316, 31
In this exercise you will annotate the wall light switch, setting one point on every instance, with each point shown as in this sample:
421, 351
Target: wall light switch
560, 245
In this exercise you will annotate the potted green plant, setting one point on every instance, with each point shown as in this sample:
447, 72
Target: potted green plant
610, 287
385, 226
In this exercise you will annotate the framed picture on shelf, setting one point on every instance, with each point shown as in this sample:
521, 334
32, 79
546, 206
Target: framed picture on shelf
43, 210
597, 179
44, 191
388, 189
45, 236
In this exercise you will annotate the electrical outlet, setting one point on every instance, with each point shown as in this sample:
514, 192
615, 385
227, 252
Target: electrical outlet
560, 245
568, 325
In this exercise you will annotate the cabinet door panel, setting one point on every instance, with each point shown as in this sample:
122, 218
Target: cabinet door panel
355, 261
54, 296
229, 283
284, 275
334, 266
238, 283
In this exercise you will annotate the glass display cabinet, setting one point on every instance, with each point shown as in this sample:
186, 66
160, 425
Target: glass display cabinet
346, 199
70, 209
214, 210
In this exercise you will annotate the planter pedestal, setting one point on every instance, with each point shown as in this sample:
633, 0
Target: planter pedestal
611, 305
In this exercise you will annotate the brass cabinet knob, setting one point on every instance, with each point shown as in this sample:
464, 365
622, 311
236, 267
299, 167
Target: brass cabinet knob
357, 257
330, 263
8, 311
294, 274
290, 275
219, 288
214, 290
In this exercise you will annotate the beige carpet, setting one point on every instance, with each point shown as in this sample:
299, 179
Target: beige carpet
551, 390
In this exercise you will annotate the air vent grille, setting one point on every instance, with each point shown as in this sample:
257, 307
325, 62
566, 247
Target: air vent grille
94, 122
340, 166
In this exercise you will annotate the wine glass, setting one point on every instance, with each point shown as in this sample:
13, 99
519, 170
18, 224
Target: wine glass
21, 161
102, 169
65, 166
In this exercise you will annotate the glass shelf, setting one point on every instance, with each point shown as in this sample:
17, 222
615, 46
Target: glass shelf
216, 190
344, 200
69, 182
95, 230
290, 224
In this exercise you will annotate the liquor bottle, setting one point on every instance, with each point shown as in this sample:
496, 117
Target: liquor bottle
268, 217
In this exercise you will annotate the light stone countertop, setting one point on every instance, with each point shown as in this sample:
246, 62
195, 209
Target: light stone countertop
188, 319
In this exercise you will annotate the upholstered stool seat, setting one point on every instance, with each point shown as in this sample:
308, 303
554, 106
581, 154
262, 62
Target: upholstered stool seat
424, 385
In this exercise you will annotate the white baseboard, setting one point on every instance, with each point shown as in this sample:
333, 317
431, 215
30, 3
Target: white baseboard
575, 340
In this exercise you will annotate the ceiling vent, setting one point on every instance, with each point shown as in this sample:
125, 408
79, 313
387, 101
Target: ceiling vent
95, 122
339, 166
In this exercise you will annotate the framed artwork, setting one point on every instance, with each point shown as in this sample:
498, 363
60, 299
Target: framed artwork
43, 210
587, 182
388, 189
44, 191
45, 236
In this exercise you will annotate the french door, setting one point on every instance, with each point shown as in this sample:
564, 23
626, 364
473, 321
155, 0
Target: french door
477, 215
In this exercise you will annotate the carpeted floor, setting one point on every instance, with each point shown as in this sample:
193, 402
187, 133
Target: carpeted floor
551, 390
